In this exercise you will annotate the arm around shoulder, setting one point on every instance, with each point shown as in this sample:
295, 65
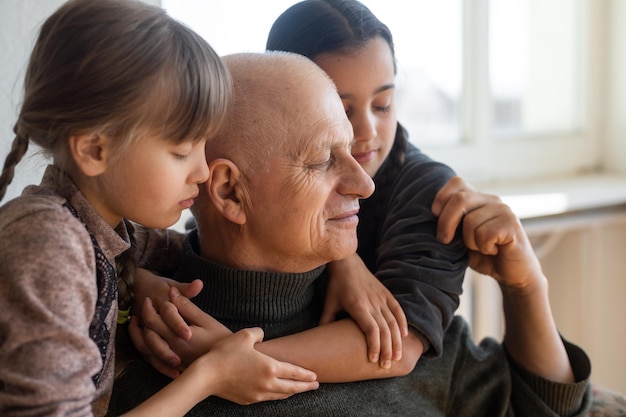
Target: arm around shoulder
344, 359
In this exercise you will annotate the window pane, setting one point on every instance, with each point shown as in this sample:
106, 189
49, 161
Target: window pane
230, 26
428, 50
535, 50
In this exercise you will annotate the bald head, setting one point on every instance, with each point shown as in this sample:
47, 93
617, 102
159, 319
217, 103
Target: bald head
274, 93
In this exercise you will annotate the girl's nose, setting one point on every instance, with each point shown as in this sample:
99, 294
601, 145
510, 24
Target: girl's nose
364, 126
200, 173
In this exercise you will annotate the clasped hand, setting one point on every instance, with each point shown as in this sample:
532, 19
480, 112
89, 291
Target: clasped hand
171, 332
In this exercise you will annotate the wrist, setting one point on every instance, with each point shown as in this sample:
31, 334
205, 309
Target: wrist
207, 382
520, 296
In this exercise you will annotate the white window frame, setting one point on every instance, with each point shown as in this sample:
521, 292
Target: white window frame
482, 158
478, 155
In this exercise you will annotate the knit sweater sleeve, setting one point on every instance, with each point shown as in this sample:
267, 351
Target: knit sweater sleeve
425, 275
557, 399
47, 293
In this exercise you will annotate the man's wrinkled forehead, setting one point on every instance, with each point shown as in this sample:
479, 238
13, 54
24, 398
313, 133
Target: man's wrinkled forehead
319, 136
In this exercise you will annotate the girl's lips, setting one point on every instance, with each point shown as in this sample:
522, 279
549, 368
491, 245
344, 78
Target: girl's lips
363, 157
187, 203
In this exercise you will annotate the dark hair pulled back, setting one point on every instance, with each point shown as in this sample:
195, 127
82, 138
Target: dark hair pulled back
314, 27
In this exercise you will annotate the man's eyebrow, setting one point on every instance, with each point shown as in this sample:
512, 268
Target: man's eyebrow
329, 142
379, 90
306, 144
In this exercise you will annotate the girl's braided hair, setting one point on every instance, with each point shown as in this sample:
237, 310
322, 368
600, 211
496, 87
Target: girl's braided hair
119, 68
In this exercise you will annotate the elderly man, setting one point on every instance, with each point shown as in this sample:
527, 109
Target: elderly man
281, 202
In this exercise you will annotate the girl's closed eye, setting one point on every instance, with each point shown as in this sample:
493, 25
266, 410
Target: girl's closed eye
182, 151
383, 109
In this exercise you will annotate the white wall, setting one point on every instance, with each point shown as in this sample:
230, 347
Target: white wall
19, 24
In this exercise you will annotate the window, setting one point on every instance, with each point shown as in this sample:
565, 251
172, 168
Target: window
497, 89
535, 66
430, 73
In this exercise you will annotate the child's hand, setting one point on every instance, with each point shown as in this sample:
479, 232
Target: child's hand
162, 346
149, 285
239, 373
496, 239
153, 348
354, 289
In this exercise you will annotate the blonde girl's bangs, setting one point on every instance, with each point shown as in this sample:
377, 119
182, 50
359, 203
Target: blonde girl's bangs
186, 97
195, 94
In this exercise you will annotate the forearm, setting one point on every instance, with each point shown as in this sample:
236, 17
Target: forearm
337, 352
532, 338
175, 399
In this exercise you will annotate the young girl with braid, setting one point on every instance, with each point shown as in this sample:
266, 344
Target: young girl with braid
122, 98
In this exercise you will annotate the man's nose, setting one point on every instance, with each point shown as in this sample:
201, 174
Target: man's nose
358, 182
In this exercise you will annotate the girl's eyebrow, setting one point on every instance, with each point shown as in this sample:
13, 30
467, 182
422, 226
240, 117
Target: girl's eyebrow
384, 88
379, 90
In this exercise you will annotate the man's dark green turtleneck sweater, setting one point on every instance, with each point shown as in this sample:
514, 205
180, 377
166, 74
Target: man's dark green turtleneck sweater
467, 380
280, 303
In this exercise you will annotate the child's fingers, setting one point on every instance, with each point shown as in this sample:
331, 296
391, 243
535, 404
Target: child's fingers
291, 379
386, 345
369, 326
136, 335
247, 337
169, 312
154, 333
398, 314
190, 289
270, 379
390, 333
450, 217
278, 389
159, 348
489, 226
187, 310
395, 333
167, 364
453, 186
290, 372
285, 388
392, 326
152, 320
172, 318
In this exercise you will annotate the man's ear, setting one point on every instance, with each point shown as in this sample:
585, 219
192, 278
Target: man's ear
226, 190
89, 153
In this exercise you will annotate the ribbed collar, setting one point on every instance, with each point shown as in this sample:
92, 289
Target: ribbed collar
233, 294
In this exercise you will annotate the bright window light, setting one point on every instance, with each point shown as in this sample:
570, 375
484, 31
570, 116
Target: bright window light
428, 41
